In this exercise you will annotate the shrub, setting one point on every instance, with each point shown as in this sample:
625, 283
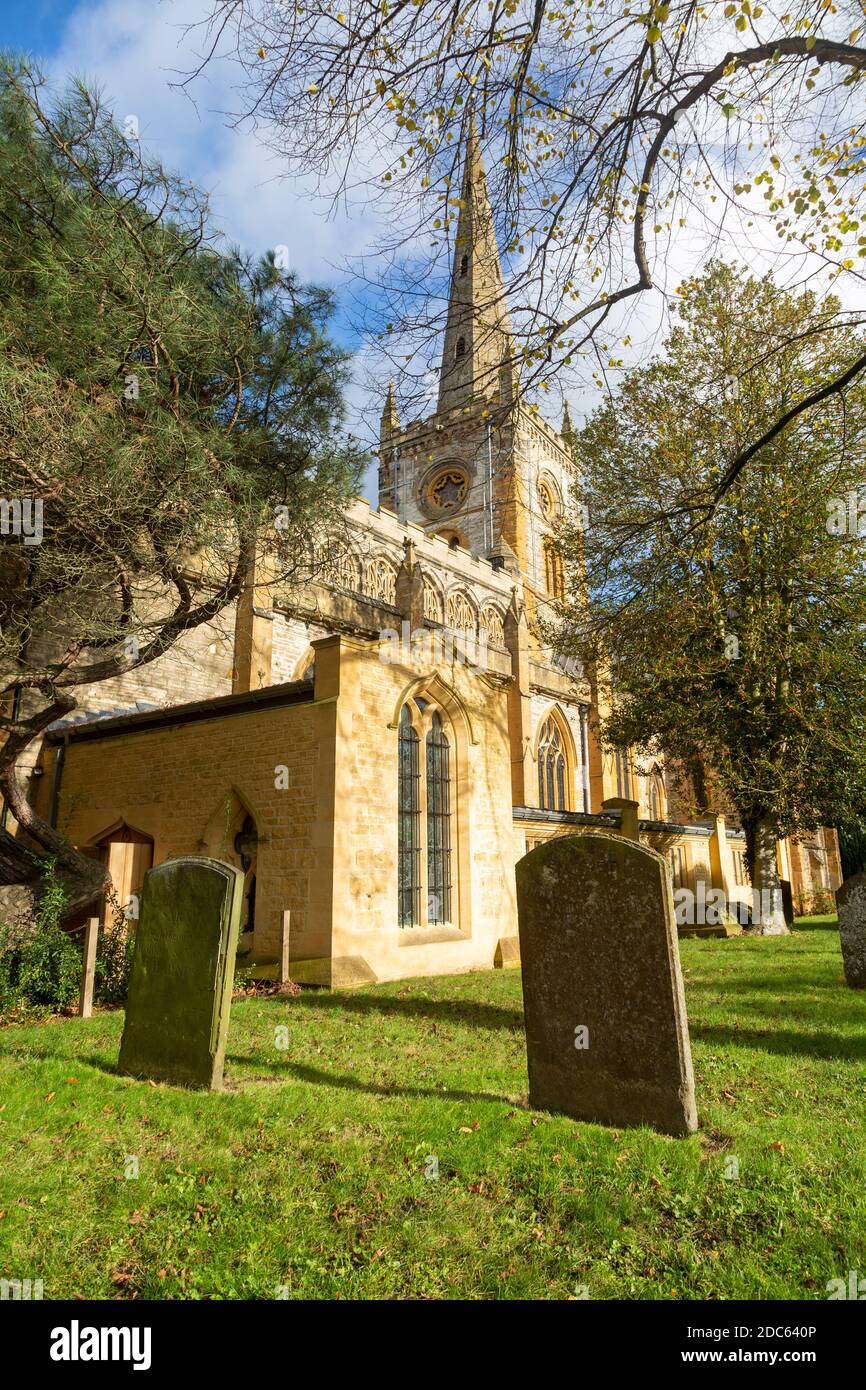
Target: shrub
42, 966
114, 955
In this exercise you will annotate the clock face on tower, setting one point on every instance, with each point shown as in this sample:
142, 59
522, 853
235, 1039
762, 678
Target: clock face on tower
447, 490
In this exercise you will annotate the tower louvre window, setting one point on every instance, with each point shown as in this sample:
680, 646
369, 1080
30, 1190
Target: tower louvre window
464, 264
460, 349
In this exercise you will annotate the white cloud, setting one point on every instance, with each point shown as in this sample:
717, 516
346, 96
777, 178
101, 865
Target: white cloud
137, 50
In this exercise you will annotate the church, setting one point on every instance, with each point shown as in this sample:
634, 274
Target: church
377, 747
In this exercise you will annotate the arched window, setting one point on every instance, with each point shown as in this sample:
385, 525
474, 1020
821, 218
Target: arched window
552, 767
491, 622
464, 264
438, 823
554, 573
623, 773
408, 823
460, 349
656, 795
426, 819
459, 613
380, 580
432, 603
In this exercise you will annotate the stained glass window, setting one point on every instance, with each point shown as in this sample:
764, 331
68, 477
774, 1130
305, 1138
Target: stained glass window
438, 824
409, 823
551, 768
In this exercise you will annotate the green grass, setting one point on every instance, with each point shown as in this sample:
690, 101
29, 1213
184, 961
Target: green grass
309, 1171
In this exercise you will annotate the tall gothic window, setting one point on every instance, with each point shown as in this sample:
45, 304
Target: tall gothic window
552, 767
409, 823
464, 264
554, 572
425, 809
623, 777
656, 796
438, 823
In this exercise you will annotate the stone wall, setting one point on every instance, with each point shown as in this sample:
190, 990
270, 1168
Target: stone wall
183, 783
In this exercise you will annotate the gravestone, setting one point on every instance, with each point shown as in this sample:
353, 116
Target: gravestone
606, 1030
851, 907
180, 991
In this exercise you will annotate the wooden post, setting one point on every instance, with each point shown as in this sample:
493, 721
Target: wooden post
284, 949
91, 936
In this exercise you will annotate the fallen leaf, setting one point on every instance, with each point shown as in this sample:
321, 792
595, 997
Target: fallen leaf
50, 1095
778, 1146
655, 1182
72, 1080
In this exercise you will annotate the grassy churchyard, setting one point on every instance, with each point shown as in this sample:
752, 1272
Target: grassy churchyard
378, 1144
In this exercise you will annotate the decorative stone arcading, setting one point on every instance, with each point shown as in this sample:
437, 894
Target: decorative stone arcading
460, 614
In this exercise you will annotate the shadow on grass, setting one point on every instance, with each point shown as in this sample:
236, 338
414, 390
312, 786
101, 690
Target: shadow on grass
478, 1015
826, 1047
296, 1071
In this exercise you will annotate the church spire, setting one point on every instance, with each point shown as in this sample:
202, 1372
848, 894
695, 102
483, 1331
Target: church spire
477, 356
390, 421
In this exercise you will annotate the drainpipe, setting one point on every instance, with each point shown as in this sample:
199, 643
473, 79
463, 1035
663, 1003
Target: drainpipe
584, 755
55, 784
489, 517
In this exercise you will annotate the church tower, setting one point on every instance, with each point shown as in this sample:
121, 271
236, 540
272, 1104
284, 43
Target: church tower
484, 472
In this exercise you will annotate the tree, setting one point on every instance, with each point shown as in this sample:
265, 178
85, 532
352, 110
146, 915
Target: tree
613, 137
740, 639
165, 407
852, 847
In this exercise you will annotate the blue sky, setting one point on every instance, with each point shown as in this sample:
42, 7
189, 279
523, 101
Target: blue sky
134, 49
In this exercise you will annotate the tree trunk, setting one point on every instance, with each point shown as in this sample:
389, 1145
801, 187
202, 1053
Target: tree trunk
768, 915
83, 879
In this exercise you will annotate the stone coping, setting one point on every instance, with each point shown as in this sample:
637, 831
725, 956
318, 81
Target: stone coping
606, 819
290, 693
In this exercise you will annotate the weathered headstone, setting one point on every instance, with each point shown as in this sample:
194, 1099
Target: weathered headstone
177, 1013
851, 907
606, 1030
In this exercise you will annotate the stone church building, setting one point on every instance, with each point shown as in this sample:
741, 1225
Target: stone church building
378, 747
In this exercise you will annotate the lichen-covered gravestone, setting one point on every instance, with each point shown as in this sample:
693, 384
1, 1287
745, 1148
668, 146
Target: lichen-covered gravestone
177, 1013
851, 906
606, 1030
